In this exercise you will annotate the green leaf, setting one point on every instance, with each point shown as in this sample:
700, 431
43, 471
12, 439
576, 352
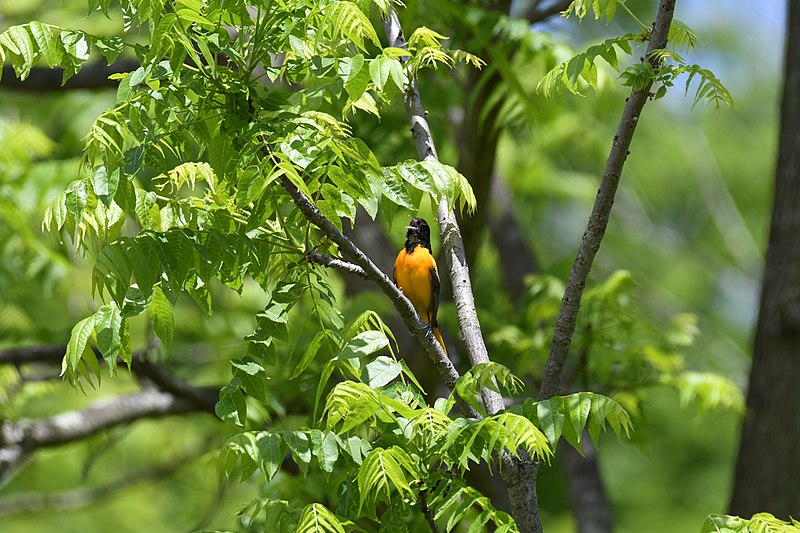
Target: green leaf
569, 415
385, 471
108, 328
364, 343
273, 450
77, 198
253, 377
299, 445
316, 518
110, 47
78, 342
161, 317
381, 371
310, 353
325, 448
231, 406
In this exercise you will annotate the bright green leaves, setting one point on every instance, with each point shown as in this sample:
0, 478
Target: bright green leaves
761, 522
491, 375
386, 471
344, 20
582, 68
452, 501
107, 329
317, 518
265, 451
569, 74
351, 404
706, 390
425, 46
26, 45
475, 440
600, 8
437, 179
568, 416
232, 406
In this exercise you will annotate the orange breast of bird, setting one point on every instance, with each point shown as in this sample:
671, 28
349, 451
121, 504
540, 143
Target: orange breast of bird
412, 273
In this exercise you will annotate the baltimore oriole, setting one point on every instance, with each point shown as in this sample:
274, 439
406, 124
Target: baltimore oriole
416, 275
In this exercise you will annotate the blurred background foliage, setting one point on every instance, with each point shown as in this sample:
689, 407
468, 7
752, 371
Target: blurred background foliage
689, 225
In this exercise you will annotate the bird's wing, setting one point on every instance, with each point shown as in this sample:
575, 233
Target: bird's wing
435, 286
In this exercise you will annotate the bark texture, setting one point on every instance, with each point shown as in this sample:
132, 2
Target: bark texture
585, 488
768, 467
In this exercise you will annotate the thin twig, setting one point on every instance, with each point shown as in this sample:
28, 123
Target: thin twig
598, 221
325, 260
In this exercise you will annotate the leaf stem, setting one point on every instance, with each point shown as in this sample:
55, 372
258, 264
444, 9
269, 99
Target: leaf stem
634, 17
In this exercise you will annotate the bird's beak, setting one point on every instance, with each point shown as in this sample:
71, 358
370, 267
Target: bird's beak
410, 227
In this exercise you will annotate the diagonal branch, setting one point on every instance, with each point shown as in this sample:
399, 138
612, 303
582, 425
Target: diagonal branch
203, 397
598, 221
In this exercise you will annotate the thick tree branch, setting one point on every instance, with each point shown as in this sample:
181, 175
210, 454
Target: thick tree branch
90, 76
598, 221
19, 438
452, 244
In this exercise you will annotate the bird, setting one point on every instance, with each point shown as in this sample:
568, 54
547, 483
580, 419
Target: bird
416, 275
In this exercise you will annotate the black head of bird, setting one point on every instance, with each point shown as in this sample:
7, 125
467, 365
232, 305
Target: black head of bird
419, 232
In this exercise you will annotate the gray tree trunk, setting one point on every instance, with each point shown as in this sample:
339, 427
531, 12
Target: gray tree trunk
768, 468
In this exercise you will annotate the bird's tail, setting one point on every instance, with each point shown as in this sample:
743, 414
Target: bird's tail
438, 335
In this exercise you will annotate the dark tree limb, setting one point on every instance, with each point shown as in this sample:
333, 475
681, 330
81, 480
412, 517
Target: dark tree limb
517, 259
205, 398
587, 495
768, 464
538, 13
90, 76
598, 221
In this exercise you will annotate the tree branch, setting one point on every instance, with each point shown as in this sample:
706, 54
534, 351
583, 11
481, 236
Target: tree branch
598, 221
90, 76
452, 244
19, 438
325, 260
205, 398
